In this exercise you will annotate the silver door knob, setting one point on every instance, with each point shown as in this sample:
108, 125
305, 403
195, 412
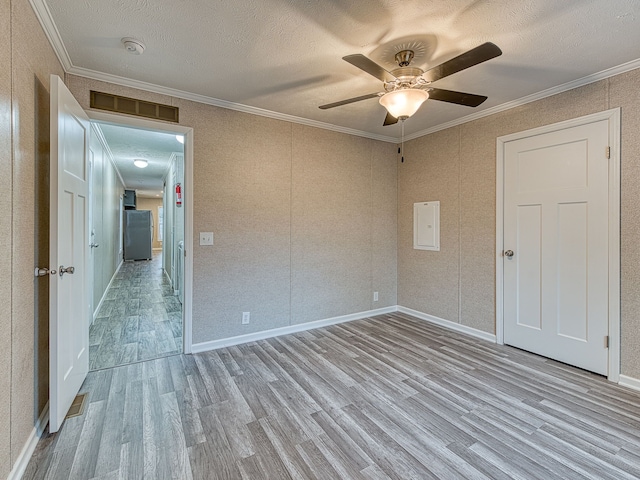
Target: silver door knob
43, 272
94, 245
68, 270
508, 253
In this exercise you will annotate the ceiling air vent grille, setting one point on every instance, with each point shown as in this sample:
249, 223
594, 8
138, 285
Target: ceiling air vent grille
131, 106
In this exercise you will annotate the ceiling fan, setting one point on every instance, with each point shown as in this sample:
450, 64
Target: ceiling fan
406, 87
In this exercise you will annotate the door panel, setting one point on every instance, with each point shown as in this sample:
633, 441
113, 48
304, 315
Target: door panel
529, 258
556, 221
69, 300
572, 270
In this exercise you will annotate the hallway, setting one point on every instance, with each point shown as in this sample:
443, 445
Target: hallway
140, 317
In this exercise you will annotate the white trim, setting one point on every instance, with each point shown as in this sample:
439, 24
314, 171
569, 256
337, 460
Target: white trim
100, 134
276, 332
216, 102
580, 82
629, 382
187, 286
116, 119
474, 332
30, 445
172, 158
46, 21
104, 294
43, 14
613, 117
615, 185
499, 242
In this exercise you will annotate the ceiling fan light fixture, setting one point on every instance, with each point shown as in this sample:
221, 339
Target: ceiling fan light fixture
140, 163
403, 103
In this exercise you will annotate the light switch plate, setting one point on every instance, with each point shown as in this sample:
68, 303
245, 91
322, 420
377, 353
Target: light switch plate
206, 238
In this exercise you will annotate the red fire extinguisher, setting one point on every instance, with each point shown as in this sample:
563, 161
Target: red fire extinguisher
178, 195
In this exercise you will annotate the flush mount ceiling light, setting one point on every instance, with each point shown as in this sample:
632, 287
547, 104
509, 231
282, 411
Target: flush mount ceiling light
140, 163
180, 138
133, 46
403, 103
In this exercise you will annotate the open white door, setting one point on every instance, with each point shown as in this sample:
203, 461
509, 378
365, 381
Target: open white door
69, 245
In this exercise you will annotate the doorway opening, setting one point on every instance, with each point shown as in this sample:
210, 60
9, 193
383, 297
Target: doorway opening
137, 236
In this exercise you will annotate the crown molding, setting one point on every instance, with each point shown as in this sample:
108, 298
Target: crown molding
44, 16
100, 134
595, 77
216, 102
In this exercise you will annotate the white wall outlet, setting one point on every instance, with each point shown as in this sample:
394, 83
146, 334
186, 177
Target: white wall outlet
246, 317
375, 296
206, 238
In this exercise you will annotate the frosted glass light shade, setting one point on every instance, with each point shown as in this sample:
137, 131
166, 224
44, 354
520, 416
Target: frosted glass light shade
140, 163
403, 103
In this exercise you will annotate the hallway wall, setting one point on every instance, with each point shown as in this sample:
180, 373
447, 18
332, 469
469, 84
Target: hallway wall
106, 191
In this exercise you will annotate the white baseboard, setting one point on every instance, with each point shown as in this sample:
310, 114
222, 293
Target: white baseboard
629, 382
30, 446
301, 327
449, 324
96, 310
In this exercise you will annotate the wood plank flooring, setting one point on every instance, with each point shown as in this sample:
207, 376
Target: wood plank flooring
390, 397
139, 319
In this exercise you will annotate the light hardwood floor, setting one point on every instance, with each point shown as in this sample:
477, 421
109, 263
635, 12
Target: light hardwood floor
386, 397
139, 319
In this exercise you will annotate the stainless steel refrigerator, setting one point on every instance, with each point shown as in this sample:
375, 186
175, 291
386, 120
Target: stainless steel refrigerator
138, 231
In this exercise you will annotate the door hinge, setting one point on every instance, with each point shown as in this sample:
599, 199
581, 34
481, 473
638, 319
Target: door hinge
606, 341
608, 152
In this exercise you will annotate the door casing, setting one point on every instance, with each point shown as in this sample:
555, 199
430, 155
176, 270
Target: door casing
125, 120
613, 117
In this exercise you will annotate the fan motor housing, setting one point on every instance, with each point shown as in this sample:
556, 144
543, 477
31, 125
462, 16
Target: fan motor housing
406, 72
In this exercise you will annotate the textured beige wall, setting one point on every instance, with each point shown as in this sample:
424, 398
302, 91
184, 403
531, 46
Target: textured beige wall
472, 148
152, 205
384, 214
428, 281
304, 220
624, 91
5, 237
330, 224
32, 62
241, 194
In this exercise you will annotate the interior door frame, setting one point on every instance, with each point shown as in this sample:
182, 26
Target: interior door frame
128, 121
91, 266
613, 117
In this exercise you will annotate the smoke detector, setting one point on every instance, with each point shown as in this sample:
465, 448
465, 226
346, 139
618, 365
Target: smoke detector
133, 46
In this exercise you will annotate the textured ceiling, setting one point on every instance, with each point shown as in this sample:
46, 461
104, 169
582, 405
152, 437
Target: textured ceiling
127, 144
284, 56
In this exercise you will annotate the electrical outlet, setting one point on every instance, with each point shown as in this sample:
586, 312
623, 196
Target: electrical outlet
206, 238
246, 317
375, 296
